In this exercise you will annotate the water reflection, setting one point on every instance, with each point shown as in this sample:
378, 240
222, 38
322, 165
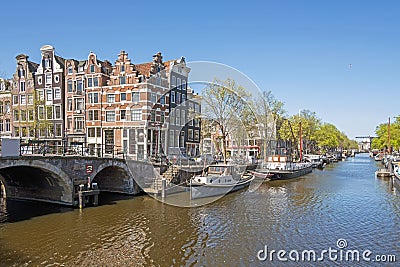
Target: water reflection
343, 201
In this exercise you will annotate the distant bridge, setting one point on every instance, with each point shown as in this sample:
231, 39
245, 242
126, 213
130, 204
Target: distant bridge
364, 142
56, 179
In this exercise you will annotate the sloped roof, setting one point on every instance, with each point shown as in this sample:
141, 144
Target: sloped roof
144, 68
82, 63
32, 66
60, 60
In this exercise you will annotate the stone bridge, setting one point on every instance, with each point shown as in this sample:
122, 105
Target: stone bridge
56, 179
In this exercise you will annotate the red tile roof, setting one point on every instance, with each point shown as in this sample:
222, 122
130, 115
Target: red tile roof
144, 68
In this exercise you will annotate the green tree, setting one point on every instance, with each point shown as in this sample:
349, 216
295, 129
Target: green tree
270, 114
328, 137
310, 123
382, 140
223, 103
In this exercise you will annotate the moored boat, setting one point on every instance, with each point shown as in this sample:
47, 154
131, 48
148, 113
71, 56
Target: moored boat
315, 160
396, 180
378, 157
282, 168
263, 175
218, 180
383, 172
396, 175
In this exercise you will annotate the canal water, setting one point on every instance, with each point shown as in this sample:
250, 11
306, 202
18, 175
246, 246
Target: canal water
344, 202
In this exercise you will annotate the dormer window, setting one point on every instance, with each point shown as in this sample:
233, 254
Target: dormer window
92, 68
70, 70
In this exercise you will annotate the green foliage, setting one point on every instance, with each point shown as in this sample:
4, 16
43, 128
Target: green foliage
328, 137
225, 106
229, 109
310, 123
382, 141
316, 135
269, 114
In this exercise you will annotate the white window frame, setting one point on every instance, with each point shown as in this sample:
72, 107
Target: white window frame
30, 99
153, 98
172, 100
48, 78
110, 113
57, 93
49, 94
22, 86
178, 83
136, 114
22, 99
47, 63
135, 95
110, 98
55, 113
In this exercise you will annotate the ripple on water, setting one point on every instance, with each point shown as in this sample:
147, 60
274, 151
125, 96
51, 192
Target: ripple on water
344, 200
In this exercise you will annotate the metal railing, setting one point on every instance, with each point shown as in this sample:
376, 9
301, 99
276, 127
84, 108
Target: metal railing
43, 148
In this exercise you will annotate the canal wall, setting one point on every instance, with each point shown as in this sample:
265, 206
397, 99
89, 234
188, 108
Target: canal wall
57, 179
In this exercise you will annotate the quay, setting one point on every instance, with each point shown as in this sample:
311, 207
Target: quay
77, 180
392, 171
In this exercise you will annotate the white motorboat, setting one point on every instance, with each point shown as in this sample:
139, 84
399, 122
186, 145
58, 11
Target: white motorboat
218, 180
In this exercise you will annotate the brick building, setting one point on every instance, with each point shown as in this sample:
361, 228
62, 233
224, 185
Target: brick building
49, 97
84, 82
5, 107
141, 110
24, 119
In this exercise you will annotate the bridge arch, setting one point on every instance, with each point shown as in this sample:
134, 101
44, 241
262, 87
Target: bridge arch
3, 192
114, 177
36, 180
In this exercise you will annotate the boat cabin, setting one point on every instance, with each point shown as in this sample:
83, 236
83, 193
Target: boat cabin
279, 163
219, 174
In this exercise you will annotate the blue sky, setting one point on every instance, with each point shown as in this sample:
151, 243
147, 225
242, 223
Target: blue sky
300, 50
